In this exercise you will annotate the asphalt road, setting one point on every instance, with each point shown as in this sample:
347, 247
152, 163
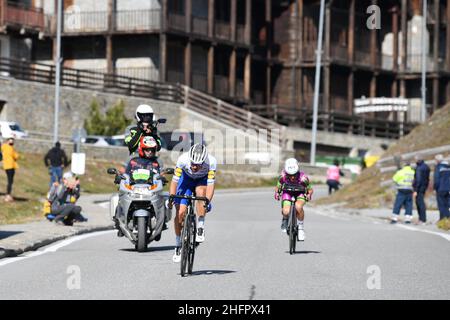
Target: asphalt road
245, 256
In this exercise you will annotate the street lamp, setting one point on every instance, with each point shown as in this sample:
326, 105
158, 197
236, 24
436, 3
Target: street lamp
317, 83
57, 70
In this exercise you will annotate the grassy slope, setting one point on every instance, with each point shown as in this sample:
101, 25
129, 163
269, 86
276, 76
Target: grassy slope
31, 185
366, 192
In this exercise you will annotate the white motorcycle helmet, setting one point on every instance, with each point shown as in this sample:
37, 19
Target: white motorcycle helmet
144, 113
291, 166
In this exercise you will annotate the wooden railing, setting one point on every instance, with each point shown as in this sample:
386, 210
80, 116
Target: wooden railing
230, 114
240, 34
137, 20
222, 30
19, 14
177, 21
84, 79
200, 25
333, 122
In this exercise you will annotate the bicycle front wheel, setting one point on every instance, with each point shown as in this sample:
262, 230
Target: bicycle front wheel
192, 244
292, 230
185, 247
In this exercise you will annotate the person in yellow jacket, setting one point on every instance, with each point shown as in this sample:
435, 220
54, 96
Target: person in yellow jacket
403, 179
10, 157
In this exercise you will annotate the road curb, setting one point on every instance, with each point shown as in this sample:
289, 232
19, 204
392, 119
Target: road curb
8, 253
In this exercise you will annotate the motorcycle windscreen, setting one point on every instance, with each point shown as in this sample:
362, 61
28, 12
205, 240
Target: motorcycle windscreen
141, 175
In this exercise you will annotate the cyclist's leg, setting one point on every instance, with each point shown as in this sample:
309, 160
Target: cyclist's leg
299, 206
285, 204
183, 188
200, 191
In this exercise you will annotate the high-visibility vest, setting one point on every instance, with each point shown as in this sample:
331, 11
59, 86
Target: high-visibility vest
404, 178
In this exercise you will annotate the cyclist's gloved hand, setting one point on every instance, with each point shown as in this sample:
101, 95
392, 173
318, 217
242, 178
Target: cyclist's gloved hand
208, 207
277, 196
169, 203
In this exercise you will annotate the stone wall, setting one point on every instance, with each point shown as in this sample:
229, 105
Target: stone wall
32, 105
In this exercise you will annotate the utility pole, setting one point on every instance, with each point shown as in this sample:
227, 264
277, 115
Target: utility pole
424, 62
317, 83
58, 70
295, 60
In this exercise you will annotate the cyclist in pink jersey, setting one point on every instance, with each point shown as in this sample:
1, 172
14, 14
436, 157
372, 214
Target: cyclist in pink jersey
291, 175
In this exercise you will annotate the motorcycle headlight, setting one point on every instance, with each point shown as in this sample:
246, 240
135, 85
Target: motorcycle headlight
141, 190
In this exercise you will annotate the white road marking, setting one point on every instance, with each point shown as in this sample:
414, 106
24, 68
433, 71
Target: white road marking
443, 235
53, 248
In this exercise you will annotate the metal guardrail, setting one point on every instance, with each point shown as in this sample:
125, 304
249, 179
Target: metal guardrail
388, 164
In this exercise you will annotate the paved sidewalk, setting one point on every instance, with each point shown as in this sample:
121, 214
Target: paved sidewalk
18, 238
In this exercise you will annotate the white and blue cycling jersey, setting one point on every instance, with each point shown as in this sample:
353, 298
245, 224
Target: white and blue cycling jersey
207, 170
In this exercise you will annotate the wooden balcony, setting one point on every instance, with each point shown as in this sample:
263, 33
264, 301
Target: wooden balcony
176, 22
221, 86
200, 26
97, 21
222, 30
21, 16
199, 81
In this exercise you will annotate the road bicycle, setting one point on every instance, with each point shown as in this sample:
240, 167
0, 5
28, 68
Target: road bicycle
188, 234
292, 229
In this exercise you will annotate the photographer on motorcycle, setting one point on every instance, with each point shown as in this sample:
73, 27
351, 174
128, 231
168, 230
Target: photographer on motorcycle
148, 160
145, 127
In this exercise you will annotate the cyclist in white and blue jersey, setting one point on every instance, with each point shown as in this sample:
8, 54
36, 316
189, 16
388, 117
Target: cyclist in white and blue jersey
195, 172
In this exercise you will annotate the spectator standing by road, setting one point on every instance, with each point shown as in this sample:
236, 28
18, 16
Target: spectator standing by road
10, 157
56, 161
403, 179
420, 186
442, 186
334, 173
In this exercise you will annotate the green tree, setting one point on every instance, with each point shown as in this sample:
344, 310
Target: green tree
94, 124
116, 121
112, 123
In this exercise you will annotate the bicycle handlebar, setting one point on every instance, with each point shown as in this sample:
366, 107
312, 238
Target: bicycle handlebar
204, 199
294, 188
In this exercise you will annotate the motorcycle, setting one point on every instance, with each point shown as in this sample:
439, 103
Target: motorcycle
138, 210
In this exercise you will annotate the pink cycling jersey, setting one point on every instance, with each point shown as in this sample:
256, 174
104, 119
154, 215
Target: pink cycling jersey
301, 179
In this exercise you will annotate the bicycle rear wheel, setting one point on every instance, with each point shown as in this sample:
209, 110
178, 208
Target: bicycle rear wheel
192, 244
185, 238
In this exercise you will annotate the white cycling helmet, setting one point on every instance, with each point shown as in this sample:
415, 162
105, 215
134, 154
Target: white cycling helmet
144, 113
198, 153
291, 166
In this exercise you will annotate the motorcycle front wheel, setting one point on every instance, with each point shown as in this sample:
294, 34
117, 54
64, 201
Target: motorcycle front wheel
142, 234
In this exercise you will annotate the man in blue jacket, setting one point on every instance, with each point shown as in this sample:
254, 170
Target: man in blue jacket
420, 186
442, 187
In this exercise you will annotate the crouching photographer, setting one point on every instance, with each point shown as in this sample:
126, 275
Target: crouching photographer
63, 198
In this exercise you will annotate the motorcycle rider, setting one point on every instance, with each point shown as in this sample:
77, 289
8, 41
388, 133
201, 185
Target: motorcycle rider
195, 171
147, 156
148, 160
145, 117
293, 176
